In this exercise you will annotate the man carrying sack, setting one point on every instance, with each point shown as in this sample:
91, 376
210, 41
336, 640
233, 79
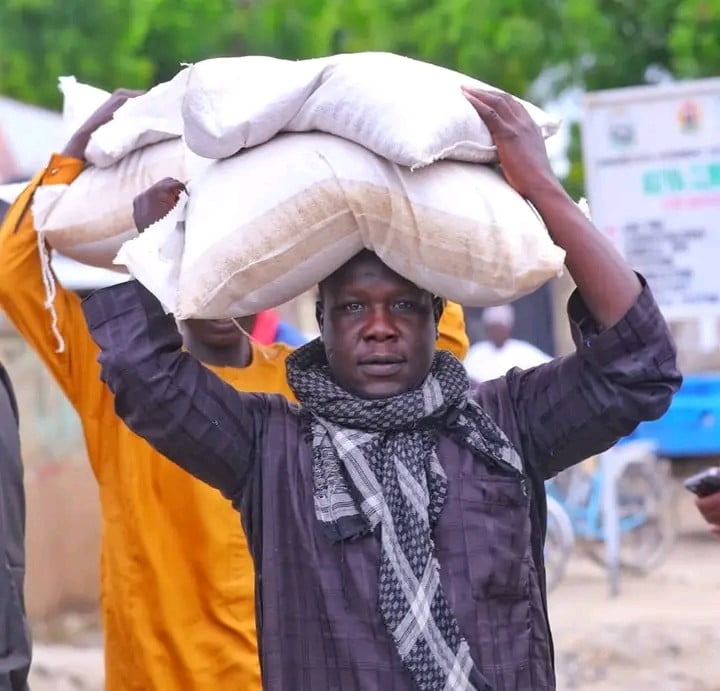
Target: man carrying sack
395, 516
177, 590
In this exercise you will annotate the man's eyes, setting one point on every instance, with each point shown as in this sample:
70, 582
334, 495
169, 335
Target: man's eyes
353, 307
397, 306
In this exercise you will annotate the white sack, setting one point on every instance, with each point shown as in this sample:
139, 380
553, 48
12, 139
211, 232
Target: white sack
268, 224
80, 101
156, 255
148, 119
98, 253
410, 112
90, 219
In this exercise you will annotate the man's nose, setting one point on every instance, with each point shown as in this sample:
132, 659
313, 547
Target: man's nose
381, 325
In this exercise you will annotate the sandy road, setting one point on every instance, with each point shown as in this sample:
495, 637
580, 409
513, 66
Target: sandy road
662, 633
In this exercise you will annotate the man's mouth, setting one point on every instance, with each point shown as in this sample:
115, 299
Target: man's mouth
381, 365
223, 325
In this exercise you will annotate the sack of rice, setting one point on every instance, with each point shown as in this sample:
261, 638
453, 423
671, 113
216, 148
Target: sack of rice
267, 224
89, 219
80, 101
409, 112
154, 117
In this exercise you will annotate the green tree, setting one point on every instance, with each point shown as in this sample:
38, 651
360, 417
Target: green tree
695, 39
595, 44
108, 43
136, 42
505, 43
617, 43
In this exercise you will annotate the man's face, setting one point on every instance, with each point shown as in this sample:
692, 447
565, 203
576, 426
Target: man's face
378, 328
497, 333
220, 333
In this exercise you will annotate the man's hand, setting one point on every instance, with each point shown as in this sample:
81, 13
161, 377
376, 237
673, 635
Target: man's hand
156, 202
606, 282
75, 148
710, 509
519, 142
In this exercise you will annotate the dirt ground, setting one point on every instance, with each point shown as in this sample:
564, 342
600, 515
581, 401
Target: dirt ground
662, 633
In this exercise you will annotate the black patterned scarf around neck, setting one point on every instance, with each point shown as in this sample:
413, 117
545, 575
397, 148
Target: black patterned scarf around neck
376, 463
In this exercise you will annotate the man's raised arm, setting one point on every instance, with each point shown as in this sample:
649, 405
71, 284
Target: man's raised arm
608, 286
624, 370
166, 396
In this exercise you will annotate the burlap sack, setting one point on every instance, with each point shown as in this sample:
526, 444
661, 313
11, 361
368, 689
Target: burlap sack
268, 224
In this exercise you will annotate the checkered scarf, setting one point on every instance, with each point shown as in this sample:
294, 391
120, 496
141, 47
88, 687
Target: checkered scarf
376, 464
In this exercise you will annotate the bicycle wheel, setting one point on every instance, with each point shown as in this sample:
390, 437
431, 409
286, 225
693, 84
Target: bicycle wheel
647, 519
559, 543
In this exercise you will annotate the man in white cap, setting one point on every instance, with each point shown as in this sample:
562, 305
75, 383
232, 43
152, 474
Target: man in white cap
495, 357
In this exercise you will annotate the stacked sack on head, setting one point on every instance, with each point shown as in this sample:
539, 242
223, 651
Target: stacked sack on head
294, 167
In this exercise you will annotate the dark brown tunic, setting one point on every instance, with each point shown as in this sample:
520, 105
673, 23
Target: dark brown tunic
318, 622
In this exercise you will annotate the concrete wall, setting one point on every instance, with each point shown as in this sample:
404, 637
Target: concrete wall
692, 356
63, 518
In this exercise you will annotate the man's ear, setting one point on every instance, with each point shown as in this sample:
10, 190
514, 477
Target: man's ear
438, 309
320, 316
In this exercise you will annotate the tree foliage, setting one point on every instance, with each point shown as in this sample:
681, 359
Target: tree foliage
504, 43
108, 43
134, 43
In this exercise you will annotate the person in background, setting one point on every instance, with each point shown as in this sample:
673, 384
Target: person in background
497, 355
709, 508
266, 327
226, 342
14, 632
396, 515
177, 589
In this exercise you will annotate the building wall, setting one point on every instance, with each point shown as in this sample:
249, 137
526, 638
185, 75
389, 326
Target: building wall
63, 518
534, 320
692, 356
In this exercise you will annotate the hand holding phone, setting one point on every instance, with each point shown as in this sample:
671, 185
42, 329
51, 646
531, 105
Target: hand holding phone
706, 486
705, 483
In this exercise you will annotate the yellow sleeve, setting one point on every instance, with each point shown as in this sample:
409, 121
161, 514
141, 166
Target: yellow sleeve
452, 331
23, 294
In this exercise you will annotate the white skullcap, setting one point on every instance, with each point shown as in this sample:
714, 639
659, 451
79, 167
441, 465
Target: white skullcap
503, 314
